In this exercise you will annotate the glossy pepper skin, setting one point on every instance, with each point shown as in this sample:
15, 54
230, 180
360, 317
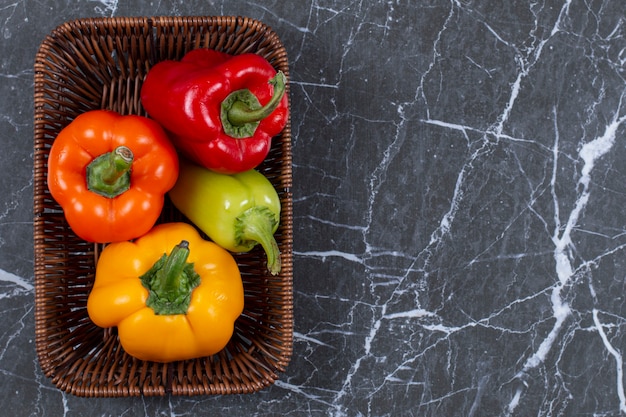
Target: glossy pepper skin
236, 211
191, 306
110, 174
220, 110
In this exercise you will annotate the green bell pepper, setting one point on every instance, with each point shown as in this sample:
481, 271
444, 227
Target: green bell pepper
235, 211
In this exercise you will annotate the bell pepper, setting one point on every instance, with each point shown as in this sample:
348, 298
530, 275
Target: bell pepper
109, 173
236, 211
172, 295
221, 110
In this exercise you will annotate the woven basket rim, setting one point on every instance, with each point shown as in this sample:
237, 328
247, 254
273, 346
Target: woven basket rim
100, 62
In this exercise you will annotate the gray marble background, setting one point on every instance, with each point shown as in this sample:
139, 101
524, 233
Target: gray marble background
459, 194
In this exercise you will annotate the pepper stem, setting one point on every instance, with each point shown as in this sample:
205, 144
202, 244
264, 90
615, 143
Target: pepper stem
241, 111
109, 173
171, 281
257, 225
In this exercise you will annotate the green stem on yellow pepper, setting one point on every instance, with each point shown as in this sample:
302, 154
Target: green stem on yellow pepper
241, 111
256, 225
171, 281
109, 173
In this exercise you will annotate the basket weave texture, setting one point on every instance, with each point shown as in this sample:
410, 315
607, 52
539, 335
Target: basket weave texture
101, 63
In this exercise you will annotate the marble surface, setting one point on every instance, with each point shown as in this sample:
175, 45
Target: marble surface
459, 185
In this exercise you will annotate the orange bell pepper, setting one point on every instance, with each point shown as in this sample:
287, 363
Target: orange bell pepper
171, 294
110, 173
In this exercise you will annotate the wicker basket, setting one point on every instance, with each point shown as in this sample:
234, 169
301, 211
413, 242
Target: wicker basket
101, 63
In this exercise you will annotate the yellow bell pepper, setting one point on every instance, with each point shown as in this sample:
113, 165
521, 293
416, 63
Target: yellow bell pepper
171, 294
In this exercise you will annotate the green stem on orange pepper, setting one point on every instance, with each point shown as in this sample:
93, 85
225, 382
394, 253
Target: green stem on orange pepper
109, 174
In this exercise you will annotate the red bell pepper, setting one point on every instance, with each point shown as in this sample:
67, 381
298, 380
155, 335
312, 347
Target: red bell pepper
220, 110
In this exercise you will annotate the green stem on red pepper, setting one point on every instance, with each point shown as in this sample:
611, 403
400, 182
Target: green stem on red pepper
109, 173
171, 281
241, 111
